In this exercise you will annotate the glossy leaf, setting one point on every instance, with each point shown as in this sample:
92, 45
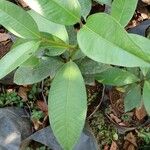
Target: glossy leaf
116, 77
17, 56
67, 105
104, 40
17, 21
133, 97
59, 11
85, 7
28, 74
146, 96
45, 25
123, 10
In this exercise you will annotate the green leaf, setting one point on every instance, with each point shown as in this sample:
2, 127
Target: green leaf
53, 44
145, 70
17, 56
72, 32
85, 7
142, 42
116, 77
133, 97
18, 42
45, 25
67, 105
107, 42
17, 21
107, 2
90, 68
31, 62
123, 10
78, 55
72, 35
32, 74
59, 11
146, 96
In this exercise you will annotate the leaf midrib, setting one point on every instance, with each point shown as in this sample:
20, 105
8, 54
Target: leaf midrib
25, 52
118, 45
66, 104
122, 11
20, 23
61, 45
66, 10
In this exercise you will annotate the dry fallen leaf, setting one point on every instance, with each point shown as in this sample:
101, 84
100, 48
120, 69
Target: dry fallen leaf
130, 142
106, 147
113, 146
23, 93
42, 106
115, 118
4, 37
23, 3
140, 113
37, 124
146, 1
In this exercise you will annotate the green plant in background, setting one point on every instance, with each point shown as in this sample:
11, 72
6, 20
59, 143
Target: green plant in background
45, 48
144, 135
37, 115
104, 133
9, 99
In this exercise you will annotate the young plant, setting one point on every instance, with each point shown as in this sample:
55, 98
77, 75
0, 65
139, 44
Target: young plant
44, 49
10, 99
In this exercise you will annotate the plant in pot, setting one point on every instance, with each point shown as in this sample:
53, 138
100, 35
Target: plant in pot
101, 50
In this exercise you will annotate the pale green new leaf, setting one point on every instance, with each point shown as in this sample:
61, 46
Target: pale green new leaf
133, 98
65, 12
116, 77
17, 56
48, 26
67, 105
104, 40
146, 96
27, 74
123, 10
17, 21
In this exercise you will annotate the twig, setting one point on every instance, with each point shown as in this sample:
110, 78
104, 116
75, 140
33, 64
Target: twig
97, 107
